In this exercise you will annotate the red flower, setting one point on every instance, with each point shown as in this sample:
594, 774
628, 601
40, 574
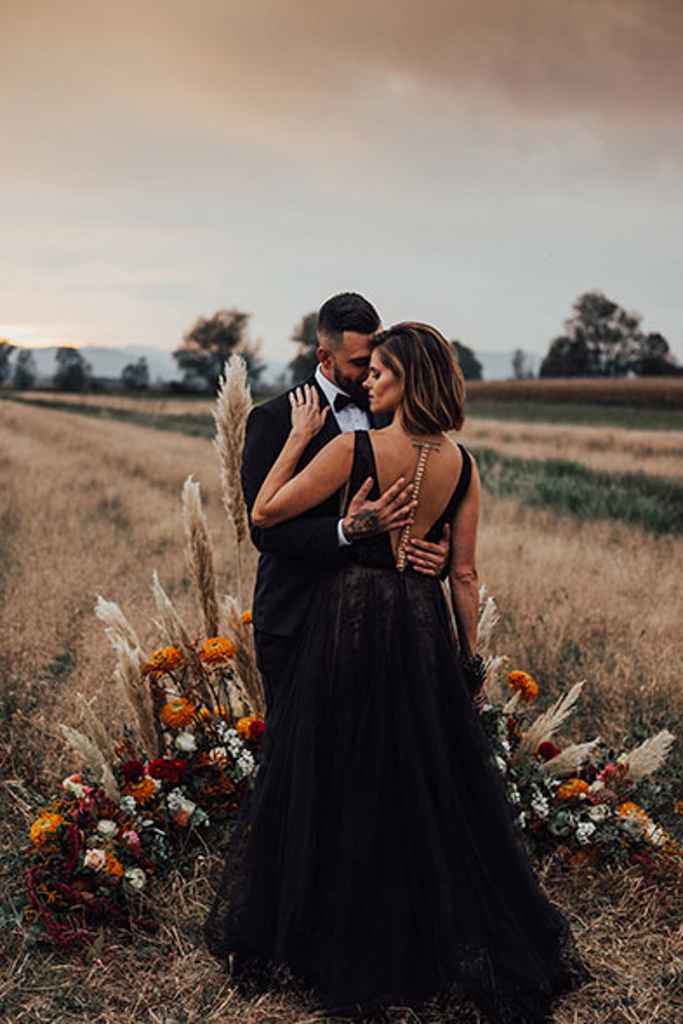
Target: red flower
168, 769
257, 729
548, 750
132, 770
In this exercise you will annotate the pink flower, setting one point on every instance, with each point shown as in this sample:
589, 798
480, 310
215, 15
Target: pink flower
95, 859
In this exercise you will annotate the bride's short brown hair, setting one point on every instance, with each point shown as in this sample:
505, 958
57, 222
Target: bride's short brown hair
434, 387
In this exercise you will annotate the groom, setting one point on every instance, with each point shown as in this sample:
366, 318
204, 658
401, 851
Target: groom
295, 554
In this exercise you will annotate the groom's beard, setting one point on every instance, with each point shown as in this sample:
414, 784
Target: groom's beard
354, 389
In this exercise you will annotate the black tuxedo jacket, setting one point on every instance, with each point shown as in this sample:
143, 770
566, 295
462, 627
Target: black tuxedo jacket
294, 554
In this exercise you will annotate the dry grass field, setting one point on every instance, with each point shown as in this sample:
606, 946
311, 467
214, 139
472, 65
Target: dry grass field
646, 392
90, 506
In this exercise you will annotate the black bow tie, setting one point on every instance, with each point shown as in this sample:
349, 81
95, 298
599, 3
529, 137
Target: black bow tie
341, 401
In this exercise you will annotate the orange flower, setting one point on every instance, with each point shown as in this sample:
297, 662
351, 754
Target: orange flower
247, 618
629, 809
177, 712
217, 649
678, 806
45, 825
141, 791
114, 867
525, 684
581, 857
251, 727
572, 788
163, 660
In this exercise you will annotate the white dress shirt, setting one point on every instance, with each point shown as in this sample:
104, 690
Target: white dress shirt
352, 417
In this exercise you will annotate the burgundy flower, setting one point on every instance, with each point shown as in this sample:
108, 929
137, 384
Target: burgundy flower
548, 750
132, 770
168, 769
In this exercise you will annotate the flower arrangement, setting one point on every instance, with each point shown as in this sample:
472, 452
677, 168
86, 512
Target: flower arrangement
585, 801
101, 844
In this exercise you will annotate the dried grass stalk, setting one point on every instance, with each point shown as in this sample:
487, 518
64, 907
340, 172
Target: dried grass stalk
91, 753
108, 783
489, 618
94, 724
200, 556
128, 675
547, 723
650, 755
116, 623
241, 633
570, 759
233, 406
512, 703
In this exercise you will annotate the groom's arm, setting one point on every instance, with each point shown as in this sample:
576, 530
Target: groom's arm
310, 538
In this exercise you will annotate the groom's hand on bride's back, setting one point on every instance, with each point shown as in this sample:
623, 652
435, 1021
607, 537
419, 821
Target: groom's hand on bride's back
428, 558
391, 511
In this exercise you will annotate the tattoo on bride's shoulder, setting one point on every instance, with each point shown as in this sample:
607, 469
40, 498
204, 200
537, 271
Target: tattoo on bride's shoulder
363, 524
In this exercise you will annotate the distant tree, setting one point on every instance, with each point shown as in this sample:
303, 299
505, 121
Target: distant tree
655, 358
135, 376
305, 337
25, 370
469, 364
604, 340
522, 368
210, 341
6, 350
74, 372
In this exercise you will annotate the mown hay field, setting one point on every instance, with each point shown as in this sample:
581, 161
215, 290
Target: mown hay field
645, 392
92, 506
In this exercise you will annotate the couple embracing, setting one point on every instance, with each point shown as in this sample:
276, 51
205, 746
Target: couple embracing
377, 861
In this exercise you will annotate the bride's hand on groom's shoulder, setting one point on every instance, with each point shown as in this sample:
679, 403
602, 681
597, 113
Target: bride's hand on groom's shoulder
307, 416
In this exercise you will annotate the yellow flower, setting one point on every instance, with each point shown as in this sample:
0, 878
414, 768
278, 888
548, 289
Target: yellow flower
44, 825
178, 712
141, 791
572, 788
247, 618
525, 684
217, 649
163, 660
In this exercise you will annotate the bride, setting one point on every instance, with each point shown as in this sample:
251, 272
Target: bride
378, 860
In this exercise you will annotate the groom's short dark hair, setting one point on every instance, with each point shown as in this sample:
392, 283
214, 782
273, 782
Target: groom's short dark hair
347, 311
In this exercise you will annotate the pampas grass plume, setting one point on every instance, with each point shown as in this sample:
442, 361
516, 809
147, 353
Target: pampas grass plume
650, 755
200, 555
233, 406
570, 759
549, 721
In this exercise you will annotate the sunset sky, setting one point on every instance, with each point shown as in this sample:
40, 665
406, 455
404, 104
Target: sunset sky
472, 164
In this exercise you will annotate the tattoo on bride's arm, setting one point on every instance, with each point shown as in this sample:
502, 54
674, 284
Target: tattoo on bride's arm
362, 524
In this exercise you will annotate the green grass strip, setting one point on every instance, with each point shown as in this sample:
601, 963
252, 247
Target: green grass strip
575, 413
653, 503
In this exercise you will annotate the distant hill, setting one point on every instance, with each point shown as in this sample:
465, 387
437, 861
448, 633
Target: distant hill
109, 362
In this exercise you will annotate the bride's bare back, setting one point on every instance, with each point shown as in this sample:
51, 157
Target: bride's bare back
397, 454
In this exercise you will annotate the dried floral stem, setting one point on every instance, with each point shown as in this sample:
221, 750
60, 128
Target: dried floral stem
200, 556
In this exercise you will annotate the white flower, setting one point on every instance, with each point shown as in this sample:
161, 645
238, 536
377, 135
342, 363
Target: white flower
73, 786
135, 877
539, 806
521, 819
218, 754
186, 742
95, 859
513, 794
128, 805
177, 801
596, 786
107, 828
656, 835
502, 766
584, 832
245, 763
599, 813
505, 744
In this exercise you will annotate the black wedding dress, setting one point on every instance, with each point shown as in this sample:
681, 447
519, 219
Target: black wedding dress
377, 860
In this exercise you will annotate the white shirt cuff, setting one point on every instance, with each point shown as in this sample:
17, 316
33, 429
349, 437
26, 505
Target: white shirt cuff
344, 542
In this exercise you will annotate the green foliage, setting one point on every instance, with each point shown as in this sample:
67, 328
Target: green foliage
469, 364
305, 337
74, 372
653, 503
25, 370
135, 376
604, 340
6, 350
210, 341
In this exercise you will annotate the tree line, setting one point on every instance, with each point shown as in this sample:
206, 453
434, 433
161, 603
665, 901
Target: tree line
601, 339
